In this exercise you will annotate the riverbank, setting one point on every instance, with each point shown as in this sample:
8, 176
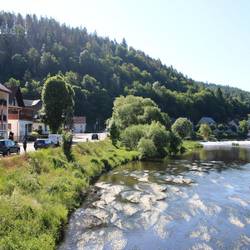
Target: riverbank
233, 143
39, 190
191, 146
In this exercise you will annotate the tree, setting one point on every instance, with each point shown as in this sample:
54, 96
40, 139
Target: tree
48, 63
146, 148
205, 131
182, 127
132, 110
114, 133
159, 135
243, 128
67, 145
19, 65
12, 82
58, 102
174, 144
132, 135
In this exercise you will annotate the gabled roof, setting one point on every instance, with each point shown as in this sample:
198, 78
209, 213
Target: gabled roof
4, 89
30, 103
206, 119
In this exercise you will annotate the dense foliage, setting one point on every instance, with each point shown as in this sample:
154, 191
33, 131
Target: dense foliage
182, 127
138, 124
40, 189
205, 131
100, 70
58, 103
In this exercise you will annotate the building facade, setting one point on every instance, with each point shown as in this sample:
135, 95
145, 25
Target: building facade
79, 124
4, 103
20, 118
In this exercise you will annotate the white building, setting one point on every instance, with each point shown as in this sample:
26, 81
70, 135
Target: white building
20, 118
79, 124
40, 127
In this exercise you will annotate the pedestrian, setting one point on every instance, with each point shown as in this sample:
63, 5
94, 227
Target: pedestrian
24, 144
11, 136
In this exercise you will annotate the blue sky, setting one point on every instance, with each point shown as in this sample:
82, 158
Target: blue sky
208, 40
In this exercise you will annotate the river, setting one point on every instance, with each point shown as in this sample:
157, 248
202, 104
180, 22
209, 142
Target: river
200, 201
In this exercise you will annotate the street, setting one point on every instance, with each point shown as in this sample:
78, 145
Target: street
76, 139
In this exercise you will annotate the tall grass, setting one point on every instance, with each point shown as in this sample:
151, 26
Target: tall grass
39, 190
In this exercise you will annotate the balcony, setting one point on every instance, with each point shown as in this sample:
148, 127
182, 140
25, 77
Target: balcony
18, 113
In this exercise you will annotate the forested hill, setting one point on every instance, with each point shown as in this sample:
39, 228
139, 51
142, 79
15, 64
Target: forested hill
101, 69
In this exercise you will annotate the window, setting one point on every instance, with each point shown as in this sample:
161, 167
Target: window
29, 128
3, 102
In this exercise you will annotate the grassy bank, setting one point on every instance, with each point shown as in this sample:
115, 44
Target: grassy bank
39, 190
191, 145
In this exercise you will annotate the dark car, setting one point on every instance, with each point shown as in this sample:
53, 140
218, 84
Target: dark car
95, 137
8, 147
43, 143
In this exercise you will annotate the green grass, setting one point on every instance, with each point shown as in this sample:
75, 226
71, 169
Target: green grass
191, 145
38, 191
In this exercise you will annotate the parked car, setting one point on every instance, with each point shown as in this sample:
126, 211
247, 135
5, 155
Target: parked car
8, 147
95, 137
43, 143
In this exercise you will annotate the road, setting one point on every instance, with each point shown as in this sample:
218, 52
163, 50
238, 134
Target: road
76, 139
87, 137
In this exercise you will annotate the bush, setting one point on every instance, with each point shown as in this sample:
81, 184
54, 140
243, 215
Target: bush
67, 145
114, 133
132, 135
158, 134
205, 131
174, 144
146, 148
243, 128
182, 127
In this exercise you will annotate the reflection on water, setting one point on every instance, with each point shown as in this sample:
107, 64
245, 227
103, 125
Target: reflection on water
201, 201
226, 154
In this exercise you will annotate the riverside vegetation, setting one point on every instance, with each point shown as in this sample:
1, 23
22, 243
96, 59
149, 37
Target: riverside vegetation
139, 124
39, 190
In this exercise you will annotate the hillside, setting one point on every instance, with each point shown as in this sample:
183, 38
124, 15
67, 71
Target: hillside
101, 69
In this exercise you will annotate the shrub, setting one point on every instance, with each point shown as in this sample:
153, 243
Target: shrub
146, 148
182, 127
67, 145
114, 133
205, 131
174, 144
132, 135
158, 134
243, 128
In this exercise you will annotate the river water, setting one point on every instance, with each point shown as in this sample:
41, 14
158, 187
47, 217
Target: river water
201, 201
